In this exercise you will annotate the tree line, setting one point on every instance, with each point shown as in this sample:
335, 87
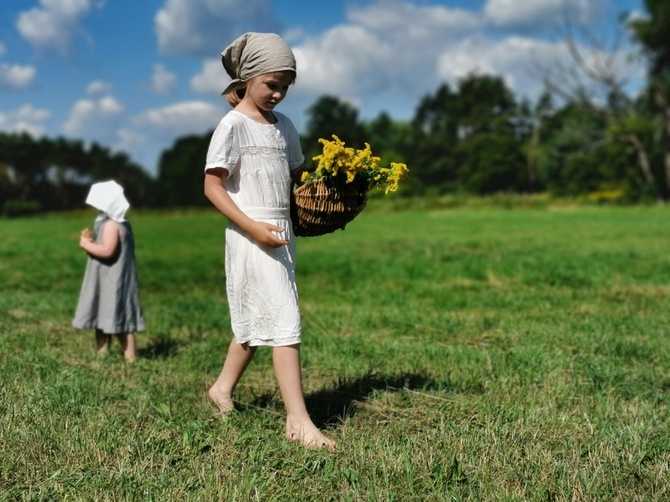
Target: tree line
474, 137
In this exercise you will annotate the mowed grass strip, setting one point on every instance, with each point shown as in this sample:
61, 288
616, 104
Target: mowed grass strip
468, 354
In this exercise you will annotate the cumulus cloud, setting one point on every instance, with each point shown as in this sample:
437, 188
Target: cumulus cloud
53, 25
389, 53
95, 119
16, 76
399, 18
539, 13
212, 79
382, 46
26, 119
189, 117
98, 88
130, 142
525, 63
205, 27
515, 59
162, 80
345, 60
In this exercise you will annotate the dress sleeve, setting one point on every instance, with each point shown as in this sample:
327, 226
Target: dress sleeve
295, 155
224, 150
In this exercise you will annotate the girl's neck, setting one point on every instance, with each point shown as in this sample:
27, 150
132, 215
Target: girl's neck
254, 113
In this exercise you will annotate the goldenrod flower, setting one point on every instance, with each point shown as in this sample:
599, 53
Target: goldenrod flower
339, 162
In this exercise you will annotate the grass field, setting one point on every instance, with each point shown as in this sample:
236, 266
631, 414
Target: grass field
461, 354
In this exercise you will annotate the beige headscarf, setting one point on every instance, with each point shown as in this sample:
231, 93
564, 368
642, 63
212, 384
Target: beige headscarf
254, 54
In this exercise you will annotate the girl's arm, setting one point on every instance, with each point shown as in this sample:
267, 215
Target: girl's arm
107, 245
261, 232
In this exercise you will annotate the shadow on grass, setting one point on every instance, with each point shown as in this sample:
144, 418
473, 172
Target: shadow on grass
161, 348
334, 405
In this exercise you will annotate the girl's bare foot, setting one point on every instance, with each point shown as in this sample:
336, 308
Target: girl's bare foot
128, 346
224, 402
102, 342
307, 435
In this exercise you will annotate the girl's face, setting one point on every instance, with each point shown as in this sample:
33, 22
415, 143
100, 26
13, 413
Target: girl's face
267, 91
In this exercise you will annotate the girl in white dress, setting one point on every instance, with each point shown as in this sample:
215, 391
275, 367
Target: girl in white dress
253, 155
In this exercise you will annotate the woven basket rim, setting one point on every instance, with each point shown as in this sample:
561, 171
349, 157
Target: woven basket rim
319, 208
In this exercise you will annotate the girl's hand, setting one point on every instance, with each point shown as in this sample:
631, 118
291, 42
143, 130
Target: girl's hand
83, 241
85, 238
109, 241
266, 234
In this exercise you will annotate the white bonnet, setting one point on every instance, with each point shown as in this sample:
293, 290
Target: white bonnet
107, 196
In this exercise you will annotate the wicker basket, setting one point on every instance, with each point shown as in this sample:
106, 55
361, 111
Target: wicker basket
320, 208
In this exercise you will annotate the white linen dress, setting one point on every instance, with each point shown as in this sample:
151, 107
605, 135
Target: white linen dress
260, 281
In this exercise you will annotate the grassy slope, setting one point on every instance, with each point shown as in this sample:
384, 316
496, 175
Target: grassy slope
482, 354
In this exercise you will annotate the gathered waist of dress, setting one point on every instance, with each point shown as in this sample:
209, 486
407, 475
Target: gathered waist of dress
268, 213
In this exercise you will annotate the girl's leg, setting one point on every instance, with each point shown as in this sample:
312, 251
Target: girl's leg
299, 426
238, 358
127, 342
102, 342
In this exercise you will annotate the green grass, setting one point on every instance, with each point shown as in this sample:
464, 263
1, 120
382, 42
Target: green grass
466, 354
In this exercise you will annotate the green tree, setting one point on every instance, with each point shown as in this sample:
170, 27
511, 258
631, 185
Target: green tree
653, 33
484, 105
579, 155
55, 174
328, 116
592, 78
490, 163
69, 174
27, 160
491, 128
434, 135
181, 172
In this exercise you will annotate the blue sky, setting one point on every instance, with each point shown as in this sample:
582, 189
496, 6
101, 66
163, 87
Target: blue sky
134, 75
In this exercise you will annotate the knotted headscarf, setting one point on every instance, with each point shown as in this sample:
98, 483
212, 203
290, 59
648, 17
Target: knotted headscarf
254, 54
107, 196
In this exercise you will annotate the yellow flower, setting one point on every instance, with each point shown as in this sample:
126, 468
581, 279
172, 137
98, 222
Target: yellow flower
339, 162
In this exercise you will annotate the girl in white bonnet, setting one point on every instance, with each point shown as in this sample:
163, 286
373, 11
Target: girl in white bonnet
109, 299
253, 156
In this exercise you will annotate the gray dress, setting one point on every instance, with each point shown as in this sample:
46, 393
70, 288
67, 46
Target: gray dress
109, 298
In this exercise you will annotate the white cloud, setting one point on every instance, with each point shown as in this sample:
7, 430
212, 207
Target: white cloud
162, 80
514, 59
345, 60
94, 119
135, 145
26, 119
399, 18
53, 25
525, 62
212, 79
98, 88
205, 27
16, 77
539, 13
388, 46
189, 117
391, 52
130, 142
